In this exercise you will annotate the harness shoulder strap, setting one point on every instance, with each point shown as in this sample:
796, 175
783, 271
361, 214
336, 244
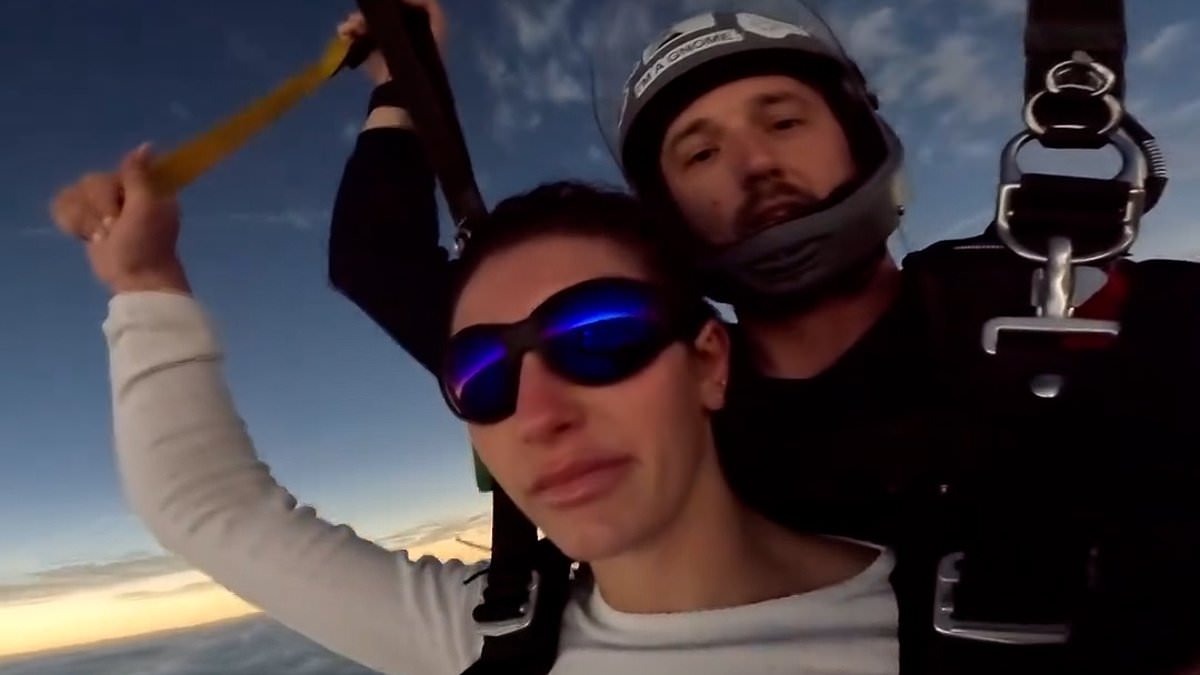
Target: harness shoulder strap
528, 586
1148, 591
534, 649
963, 283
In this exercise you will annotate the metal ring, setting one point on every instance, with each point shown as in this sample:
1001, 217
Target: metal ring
1116, 112
462, 234
1102, 76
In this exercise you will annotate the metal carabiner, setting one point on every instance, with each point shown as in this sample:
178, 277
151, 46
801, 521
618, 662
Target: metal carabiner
1134, 169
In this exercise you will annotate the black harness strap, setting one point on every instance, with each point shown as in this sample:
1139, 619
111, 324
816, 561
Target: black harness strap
510, 573
528, 586
533, 648
1018, 570
1145, 614
1089, 211
408, 47
1063, 548
1054, 31
528, 581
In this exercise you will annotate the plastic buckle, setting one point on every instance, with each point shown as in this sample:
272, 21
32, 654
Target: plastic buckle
521, 621
948, 578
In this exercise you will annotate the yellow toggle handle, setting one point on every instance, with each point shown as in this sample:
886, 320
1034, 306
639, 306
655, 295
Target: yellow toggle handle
189, 161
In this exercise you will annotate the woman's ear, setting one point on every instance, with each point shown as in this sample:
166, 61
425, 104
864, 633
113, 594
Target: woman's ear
712, 352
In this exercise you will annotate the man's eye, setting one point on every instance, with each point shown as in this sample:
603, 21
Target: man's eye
787, 123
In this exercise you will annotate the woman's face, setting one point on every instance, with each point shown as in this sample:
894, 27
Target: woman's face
600, 469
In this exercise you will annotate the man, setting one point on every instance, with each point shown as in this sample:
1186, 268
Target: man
858, 404
606, 444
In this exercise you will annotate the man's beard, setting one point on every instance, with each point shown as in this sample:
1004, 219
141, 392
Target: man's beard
850, 281
770, 202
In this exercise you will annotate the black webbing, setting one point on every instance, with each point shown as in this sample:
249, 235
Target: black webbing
1055, 29
404, 38
514, 544
1088, 211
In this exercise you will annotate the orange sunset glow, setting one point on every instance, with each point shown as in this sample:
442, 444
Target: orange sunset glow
158, 604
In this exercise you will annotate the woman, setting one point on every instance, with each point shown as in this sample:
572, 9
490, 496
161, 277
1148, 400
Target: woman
586, 367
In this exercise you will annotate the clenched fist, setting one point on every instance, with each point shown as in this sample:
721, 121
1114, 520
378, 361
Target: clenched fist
129, 230
355, 26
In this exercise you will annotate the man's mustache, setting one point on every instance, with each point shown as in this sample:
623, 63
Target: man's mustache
768, 204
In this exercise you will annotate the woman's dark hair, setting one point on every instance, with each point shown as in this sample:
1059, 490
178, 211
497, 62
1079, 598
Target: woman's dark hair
582, 209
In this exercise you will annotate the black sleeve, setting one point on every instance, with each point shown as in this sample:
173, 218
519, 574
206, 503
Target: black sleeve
384, 253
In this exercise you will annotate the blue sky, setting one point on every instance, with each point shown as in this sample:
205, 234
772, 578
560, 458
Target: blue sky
342, 416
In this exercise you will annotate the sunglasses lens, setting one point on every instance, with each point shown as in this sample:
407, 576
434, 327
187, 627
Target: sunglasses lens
480, 382
604, 335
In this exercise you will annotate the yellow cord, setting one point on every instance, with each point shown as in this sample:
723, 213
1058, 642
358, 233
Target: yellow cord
189, 161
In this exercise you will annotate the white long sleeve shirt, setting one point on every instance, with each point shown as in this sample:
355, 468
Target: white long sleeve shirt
190, 472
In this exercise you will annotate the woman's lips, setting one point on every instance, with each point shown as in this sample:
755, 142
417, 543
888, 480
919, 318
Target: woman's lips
581, 482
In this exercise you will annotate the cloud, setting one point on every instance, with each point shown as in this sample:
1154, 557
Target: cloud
53, 582
956, 73
245, 51
977, 149
180, 111
537, 28
610, 29
244, 647
968, 225
494, 68
1185, 113
298, 219
562, 86
874, 36
182, 590
910, 68
1163, 45
524, 90
37, 231
875, 40
540, 65
429, 533
508, 118
597, 154
1006, 7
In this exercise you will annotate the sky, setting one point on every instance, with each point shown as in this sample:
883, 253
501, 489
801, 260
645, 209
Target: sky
343, 417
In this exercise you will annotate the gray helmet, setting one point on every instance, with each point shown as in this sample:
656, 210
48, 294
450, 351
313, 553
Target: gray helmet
793, 260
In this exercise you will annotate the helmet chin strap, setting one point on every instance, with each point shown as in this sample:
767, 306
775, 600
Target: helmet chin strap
750, 303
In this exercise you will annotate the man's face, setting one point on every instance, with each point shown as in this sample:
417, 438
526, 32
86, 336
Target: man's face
752, 154
637, 449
